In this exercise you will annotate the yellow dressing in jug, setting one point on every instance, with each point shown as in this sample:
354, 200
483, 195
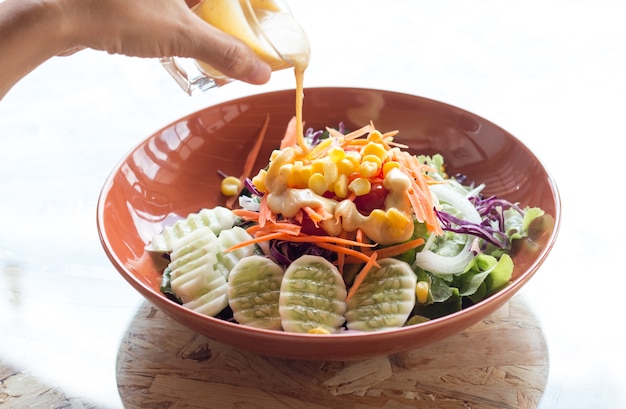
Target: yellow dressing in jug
273, 34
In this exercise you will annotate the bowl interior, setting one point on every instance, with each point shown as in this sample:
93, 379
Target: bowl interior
174, 172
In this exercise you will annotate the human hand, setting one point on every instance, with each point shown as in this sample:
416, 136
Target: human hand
159, 28
32, 31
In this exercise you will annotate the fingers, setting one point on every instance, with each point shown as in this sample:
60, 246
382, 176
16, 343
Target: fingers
192, 3
229, 55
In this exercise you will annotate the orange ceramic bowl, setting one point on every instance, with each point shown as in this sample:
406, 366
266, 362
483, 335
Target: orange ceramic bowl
174, 172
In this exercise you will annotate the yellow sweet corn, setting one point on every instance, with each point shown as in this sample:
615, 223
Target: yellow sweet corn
317, 183
330, 172
390, 165
320, 147
341, 186
375, 149
301, 175
377, 216
354, 157
375, 136
336, 154
346, 167
360, 186
230, 186
422, 289
274, 154
318, 166
396, 218
259, 181
368, 169
372, 158
318, 330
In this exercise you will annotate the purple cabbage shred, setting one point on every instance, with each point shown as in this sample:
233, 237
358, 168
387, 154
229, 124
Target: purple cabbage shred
251, 188
284, 252
491, 229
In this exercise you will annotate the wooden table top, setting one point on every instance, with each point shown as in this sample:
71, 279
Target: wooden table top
502, 362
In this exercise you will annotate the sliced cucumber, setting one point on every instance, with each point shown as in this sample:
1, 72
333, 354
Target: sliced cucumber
312, 296
218, 218
229, 238
384, 299
197, 277
253, 292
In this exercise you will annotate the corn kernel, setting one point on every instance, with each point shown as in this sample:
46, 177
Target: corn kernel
302, 176
230, 186
274, 154
392, 164
360, 186
317, 183
377, 215
422, 289
318, 330
346, 167
341, 186
375, 149
372, 158
375, 136
318, 166
368, 169
354, 157
336, 154
330, 172
259, 181
396, 218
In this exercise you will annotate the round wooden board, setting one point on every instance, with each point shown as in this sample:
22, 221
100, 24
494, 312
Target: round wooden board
500, 363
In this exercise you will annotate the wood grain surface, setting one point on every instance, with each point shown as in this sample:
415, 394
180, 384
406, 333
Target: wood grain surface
502, 362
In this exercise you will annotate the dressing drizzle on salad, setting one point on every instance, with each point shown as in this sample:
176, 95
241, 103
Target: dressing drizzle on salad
327, 182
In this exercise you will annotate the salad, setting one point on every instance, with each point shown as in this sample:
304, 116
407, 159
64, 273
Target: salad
343, 231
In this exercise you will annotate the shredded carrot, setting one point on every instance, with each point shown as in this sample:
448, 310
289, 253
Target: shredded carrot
250, 161
246, 214
326, 239
361, 276
421, 201
317, 215
398, 249
385, 252
290, 138
265, 214
397, 145
347, 251
278, 227
259, 239
359, 132
303, 238
322, 148
359, 235
390, 134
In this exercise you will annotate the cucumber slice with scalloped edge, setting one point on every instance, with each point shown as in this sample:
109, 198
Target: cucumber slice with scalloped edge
254, 291
312, 296
218, 219
229, 238
385, 298
197, 277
